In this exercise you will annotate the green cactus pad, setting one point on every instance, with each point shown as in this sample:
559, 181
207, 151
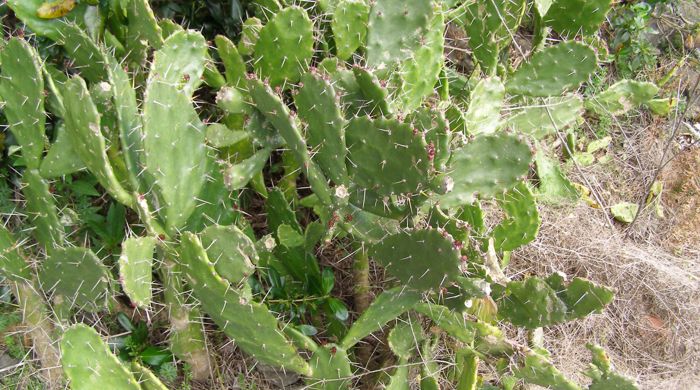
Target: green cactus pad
602, 374
220, 136
12, 263
622, 97
451, 322
146, 378
487, 339
253, 328
522, 221
22, 89
349, 26
421, 72
486, 166
136, 269
231, 251
143, 24
86, 55
433, 123
571, 17
367, 226
420, 259
83, 124
318, 106
490, 27
538, 369
174, 136
233, 62
405, 338
387, 157
285, 47
395, 29
250, 33
531, 303
582, 297
180, 62
89, 364
278, 114
41, 209
376, 97
554, 185
534, 302
129, 121
78, 276
330, 369
61, 159
539, 120
484, 113
238, 176
387, 306
175, 151
554, 70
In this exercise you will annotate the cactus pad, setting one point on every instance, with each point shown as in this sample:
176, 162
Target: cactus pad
522, 220
554, 70
22, 89
571, 17
421, 72
174, 136
387, 306
534, 302
253, 328
42, 211
420, 259
61, 159
233, 62
330, 369
83, 124
78, 276
486, 166
285, 47
541, 120
318, 106
136, 269
376, 97
12, 264
395, 29
387, 157
89, 364
405, 338
490, 26
622, 97
484, 113
231, 251
538, 369
278, 114
349, 26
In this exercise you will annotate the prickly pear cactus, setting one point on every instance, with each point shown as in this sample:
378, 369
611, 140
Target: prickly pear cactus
350, 125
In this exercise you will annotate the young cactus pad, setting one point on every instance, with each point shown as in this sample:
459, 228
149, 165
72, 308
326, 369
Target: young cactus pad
136, 269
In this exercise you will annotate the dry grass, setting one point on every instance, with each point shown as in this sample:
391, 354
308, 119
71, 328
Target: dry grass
651, 329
